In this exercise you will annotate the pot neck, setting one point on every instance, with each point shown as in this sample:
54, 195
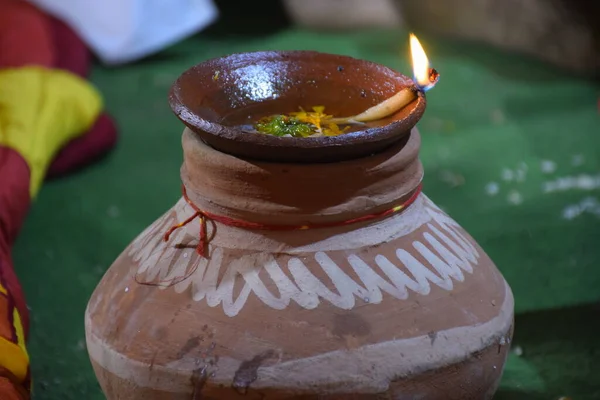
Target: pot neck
288, 194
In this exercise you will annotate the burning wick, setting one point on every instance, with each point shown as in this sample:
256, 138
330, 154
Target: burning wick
424, 79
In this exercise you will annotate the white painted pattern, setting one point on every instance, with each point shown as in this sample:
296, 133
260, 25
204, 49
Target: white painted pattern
447, 252
367, 369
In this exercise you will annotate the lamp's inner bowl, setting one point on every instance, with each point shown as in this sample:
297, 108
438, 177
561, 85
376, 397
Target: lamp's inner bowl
238, 90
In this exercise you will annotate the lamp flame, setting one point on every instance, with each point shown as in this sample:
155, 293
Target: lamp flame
424, 76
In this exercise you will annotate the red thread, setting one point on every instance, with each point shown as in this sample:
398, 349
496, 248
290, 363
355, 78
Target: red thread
203, 215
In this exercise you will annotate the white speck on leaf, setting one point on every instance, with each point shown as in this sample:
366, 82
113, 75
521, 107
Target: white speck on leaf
492, 189
571, 212
514, 197
583, 181
521, 172
586, 182
507, 174
548, 166
518, 351
589, 205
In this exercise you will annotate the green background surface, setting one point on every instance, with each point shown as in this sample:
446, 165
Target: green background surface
497, 128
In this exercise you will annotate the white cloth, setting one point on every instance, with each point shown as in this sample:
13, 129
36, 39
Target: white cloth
120, 31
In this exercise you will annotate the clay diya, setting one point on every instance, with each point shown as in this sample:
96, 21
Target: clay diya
299, 268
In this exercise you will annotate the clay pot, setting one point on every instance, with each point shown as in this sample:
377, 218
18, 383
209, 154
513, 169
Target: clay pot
400, 306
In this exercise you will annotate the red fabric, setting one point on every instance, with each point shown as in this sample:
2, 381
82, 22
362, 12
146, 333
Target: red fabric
30, 37
73, 55
85, 149
10, 389
25, 35
70, 51
24, 40
14, 204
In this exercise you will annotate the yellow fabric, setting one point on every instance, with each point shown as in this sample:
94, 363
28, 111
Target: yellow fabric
40, 111
18, 325
13, 356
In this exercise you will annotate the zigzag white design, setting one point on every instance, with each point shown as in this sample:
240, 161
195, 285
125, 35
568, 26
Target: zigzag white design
447, 252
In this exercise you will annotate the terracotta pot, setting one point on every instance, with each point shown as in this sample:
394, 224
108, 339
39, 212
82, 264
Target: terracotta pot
400, 306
